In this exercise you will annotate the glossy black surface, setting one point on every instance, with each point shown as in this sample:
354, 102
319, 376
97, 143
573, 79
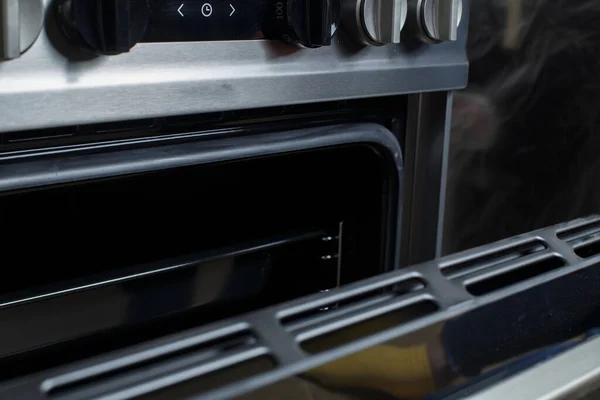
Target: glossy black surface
525, 135
103, 26
114, 26
199, 287
310, 23
205, 20
136, 257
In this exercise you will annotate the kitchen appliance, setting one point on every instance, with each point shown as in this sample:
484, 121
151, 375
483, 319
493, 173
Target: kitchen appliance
165, 165
86, 72
231, 199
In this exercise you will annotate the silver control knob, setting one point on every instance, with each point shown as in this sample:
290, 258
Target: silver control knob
375, 22
383, 19
20, 24
438, 20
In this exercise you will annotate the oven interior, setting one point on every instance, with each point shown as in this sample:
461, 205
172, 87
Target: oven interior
131, 258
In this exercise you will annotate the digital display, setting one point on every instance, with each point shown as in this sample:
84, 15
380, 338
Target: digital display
204, 20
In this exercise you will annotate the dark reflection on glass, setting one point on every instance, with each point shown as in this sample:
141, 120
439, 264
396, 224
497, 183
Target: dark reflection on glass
176, 20
525, 133
464, 354
111, 263
215, 380
141, 306
369, 327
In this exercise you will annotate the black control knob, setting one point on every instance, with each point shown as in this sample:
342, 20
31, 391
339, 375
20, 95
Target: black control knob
308, 23
103, 26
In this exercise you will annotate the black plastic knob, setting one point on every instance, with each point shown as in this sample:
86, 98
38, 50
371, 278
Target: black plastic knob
308, 23
103, 26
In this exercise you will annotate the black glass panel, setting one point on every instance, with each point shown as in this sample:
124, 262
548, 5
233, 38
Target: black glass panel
526, 131
204, 20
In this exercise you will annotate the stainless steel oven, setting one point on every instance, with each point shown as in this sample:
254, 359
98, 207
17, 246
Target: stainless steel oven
245, 199
168, 164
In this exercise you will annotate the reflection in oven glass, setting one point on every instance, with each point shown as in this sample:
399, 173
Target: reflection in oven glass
526, 131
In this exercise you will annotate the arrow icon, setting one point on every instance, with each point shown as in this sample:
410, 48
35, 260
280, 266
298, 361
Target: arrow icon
232, 10
179, 10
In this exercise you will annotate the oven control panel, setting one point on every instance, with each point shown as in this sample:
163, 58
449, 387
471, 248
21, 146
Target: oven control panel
85, 61
112, 27
115, 26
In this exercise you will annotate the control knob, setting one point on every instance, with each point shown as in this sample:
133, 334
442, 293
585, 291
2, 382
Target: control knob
375, 22
307, 23
435, 21
103, 26
20, 24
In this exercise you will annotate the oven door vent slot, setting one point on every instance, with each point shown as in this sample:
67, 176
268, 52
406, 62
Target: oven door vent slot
584, 239
511, 274
460, 267
339, 332
486, 271
320, 311
214, 350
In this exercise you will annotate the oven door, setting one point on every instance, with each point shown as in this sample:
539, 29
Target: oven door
488, 322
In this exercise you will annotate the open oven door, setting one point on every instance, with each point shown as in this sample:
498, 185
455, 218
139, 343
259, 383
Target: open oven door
487, 323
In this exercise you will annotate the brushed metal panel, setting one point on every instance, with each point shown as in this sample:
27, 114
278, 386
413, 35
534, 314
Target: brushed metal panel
44, 89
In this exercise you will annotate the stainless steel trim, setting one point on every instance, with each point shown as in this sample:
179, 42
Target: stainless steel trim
441, 18
426, 148
570, 375
20, 25
383, 19
9, 29
43, 88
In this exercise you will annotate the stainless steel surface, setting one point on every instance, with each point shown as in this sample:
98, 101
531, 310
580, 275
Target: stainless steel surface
43, 88
426, 148
31, 15
9, 29
383, 20
441, 18
571, 375
20, 25
352, 23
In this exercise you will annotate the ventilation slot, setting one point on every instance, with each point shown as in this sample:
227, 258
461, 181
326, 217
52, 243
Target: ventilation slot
588, 247
326, 310
214, 380
514, 274
584, 239
369, 327
480, 262
142, 367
